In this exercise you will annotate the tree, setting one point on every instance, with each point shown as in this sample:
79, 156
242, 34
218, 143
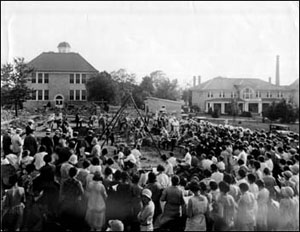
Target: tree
14, 90
187, 96
125, 83
163, 87
283, 111
147, 86
102, 87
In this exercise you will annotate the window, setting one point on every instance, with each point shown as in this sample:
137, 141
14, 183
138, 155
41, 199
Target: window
83, 95
258, 94
46, 78
33, 95
210, 94
280, 95
247, 93
40, 78
46, 94
77, 95
71, 78
71, 95
83, 80
78, 78
33, 78
40, 94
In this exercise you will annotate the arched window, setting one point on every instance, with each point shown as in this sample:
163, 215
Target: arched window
248, 93
59, 100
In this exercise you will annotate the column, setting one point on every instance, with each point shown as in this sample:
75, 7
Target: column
223, 108
246, 106
259, 107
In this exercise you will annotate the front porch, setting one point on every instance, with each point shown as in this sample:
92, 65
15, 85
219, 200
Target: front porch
254, 106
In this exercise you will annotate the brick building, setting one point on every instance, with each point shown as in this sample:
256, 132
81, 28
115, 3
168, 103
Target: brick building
59, 78
248, 94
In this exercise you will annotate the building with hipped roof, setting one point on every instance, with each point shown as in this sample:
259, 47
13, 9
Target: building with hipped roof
59, 77
247, 94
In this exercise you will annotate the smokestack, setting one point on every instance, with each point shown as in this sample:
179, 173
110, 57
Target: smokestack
199, 80
270, 80
277, 71
194, 81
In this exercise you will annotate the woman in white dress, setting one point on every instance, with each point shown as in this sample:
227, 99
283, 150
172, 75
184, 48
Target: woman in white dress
96, 197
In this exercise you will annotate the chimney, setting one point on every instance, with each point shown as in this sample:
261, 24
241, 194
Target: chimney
194, 81
199, 80
270, 80
277, 71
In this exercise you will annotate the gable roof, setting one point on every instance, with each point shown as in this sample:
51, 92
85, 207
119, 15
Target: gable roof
224, 83
61, 62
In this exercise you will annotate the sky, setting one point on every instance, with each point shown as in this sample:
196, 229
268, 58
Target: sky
183, 39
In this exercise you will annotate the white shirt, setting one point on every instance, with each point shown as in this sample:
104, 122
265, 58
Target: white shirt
136, 153
217, 176
39, 160
206, 163
130, 158
243, 155
269, 164
172, 161
188, 158
163, 179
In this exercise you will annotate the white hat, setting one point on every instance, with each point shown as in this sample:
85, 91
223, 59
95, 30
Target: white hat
73, 159
116, 225
147, 193
30, 121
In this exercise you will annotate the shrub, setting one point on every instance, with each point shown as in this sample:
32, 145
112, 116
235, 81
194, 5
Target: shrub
246, 114
216, 113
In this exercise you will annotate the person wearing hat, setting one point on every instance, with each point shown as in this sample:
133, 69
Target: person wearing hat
286, 180
17, 142
196, 208
145, 216
66, 166
115, 225
96, 207
47, 141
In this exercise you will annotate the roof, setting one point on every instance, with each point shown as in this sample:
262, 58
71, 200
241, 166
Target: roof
165, 100
295, 84
61, 62
225, 83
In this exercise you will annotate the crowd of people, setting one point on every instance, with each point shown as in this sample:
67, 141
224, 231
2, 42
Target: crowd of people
229, 178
